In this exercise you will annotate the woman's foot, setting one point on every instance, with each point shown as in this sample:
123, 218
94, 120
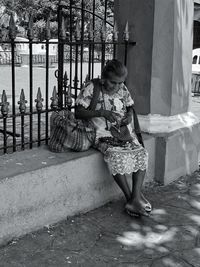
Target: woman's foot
146, 204
135, 208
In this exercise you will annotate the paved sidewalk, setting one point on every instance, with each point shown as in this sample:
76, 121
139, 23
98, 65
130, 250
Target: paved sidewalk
109, 237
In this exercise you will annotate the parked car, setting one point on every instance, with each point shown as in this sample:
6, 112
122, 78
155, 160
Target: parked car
196, 61
196, 71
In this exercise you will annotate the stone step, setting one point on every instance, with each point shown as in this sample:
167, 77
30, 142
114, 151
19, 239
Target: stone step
38, 187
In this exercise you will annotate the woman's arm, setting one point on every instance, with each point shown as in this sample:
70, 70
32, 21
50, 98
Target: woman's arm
83, 113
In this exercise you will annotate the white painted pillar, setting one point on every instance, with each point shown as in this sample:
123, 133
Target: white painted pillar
160, 79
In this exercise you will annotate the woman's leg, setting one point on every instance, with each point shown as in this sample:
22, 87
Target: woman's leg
123, 184
137, 203
137, 182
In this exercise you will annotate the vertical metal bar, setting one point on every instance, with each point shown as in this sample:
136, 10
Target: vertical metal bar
105, 10
30, 36
115, 39
4, 111
82, 38
103, 55
70, 32
89, 59
5, 134
31, 93
126, 40
22, 107
103, 39
90, 39
47, 91
12, 35
65, 81
39, 107
61, 38
47, 83
104, 45
76, 72
77, 38
125, 52
93, 25
39, 128
22, 131
13, 93
114, 50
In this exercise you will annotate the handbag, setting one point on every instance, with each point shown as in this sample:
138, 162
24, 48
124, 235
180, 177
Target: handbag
67, 132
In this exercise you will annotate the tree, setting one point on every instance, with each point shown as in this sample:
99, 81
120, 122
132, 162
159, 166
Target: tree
43, 9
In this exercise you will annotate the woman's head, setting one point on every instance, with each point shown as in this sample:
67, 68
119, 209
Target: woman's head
114, 67
113, 75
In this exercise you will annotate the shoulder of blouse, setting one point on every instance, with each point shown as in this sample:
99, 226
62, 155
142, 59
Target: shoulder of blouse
89, 87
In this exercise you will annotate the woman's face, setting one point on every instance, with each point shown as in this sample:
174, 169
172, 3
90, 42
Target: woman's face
113, 83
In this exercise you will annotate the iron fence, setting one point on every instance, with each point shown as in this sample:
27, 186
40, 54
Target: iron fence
24, 120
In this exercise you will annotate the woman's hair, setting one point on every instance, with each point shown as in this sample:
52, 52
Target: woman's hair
115, 67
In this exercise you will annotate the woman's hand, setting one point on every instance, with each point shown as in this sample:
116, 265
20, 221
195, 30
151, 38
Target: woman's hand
127, 119
110, 116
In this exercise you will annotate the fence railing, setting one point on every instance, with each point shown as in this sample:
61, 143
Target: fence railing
25, 115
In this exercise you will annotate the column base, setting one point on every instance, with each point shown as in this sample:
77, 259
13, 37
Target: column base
177, 145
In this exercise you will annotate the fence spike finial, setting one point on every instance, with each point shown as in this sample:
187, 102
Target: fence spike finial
12, 27
103, 32
115, 32
4, 104
54, 98
126, 32
87, 78
69, 97
22, 102
39, 100
65, 79
78, 31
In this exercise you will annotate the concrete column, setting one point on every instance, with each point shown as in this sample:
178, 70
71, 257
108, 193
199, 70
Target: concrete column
140, 16
172, 57
160, 64
159, 79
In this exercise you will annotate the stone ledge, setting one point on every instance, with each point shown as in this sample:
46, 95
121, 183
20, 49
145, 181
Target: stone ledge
38, 187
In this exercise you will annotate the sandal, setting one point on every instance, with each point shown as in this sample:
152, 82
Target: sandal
148, 206
137, 212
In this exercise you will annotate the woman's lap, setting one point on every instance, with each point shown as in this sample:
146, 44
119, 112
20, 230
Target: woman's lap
125, 159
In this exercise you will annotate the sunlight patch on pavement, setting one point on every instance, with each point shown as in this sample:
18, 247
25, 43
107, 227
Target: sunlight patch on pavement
149, 239
195, 218
171, 263
158, 212
195, 204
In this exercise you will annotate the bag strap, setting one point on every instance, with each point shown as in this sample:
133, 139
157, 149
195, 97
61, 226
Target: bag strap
137, 127
136, 122
96, 92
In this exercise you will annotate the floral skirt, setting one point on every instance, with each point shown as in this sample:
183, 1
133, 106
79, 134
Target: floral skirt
124, 159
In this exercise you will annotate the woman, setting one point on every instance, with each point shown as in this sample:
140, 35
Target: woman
114, 109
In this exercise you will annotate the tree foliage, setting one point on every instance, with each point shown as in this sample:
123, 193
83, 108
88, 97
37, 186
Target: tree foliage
43, 9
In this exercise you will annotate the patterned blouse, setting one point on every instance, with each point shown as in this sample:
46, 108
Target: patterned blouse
117, 102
